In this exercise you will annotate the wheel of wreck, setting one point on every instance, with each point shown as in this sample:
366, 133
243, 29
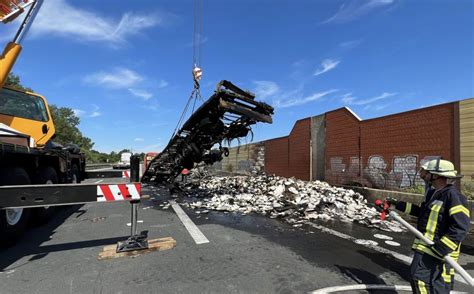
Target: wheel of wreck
13, 221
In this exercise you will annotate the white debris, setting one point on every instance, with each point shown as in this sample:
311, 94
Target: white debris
392, 243
366, 242
294, 201
383, 237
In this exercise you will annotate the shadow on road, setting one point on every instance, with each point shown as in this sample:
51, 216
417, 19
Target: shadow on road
30, 243
388, 262
361, 276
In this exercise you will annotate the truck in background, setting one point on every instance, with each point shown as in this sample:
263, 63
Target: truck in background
124, 162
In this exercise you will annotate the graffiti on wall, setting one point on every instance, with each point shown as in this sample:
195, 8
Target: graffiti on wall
377, 173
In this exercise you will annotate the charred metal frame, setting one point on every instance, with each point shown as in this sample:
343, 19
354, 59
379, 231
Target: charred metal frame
226, 115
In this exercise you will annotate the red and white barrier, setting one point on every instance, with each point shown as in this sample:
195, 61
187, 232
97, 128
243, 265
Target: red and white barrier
126, 174
118, 192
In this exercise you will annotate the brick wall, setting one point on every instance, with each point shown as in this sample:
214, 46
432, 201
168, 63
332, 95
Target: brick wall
299, 150
390, 149
342, 146
276, 156
290, 156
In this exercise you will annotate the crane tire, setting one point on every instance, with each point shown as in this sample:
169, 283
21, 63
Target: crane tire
13, 222
46, 175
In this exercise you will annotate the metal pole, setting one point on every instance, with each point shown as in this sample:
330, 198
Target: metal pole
447, 258
134, 177
134, 168
134, 219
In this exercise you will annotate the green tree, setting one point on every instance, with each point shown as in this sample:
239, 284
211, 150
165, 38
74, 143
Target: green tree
13, 81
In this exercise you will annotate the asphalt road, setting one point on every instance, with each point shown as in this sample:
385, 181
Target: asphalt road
245, 254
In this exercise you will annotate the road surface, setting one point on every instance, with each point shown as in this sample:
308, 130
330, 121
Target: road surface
243, 254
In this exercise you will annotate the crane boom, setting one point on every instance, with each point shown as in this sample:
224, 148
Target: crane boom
13, 48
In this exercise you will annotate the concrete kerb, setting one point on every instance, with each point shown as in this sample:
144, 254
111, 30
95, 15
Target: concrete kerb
372, 194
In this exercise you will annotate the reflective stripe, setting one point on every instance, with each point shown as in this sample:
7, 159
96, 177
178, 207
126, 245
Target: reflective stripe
432, 222
445, 240
459, 208
408, 208
419, 246
422, 287
446, 276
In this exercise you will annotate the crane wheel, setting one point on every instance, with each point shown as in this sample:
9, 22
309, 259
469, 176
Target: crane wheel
46, 175
75, 176
13, 222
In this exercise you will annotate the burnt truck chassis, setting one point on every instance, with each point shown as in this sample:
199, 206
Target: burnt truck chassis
226, 115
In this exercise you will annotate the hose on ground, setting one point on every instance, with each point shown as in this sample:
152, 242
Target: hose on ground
335, 289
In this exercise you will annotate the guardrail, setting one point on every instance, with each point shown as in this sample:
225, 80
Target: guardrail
90, 166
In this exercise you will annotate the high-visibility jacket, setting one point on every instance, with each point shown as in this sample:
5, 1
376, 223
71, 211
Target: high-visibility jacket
444, 218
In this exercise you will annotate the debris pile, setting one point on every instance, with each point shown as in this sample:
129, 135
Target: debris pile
294, 201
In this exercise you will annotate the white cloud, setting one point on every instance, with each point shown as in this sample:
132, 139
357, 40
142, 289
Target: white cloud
351, 100
58, 17
119, 78
95, 114
83, 113
78, 112
302, 100
265, 89
355, 9
162, 84
141, 93
326, 65
350, 44
139, 140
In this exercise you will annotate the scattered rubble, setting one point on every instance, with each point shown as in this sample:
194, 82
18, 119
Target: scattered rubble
294, 201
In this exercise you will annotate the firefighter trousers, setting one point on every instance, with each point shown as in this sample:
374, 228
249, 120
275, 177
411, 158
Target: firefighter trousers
430, 275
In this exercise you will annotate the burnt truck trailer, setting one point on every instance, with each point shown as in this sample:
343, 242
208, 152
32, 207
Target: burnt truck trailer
228, 114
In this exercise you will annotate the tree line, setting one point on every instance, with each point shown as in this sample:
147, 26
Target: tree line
66, 123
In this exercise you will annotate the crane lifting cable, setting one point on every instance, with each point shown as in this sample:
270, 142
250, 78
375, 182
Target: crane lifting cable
197, 41
196, 65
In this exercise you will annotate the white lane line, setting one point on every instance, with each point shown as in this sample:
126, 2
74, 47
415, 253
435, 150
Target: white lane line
403, 258
99, 181
193, 230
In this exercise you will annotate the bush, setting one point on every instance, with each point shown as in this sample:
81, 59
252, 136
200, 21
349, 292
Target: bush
467, 189
418, 189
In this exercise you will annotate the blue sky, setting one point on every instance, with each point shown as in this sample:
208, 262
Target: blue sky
126, 69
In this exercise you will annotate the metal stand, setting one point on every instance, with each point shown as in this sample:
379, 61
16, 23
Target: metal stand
136, 241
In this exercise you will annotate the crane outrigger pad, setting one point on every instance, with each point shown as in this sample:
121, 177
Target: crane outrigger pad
226, 115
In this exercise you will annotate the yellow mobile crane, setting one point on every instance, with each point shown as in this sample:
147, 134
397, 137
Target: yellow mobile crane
27, 153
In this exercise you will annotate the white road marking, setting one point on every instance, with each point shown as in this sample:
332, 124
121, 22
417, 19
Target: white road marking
99, 181
138, 221
193, 230
403, 258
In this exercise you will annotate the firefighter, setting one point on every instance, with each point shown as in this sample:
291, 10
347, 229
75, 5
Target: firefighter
443, 218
